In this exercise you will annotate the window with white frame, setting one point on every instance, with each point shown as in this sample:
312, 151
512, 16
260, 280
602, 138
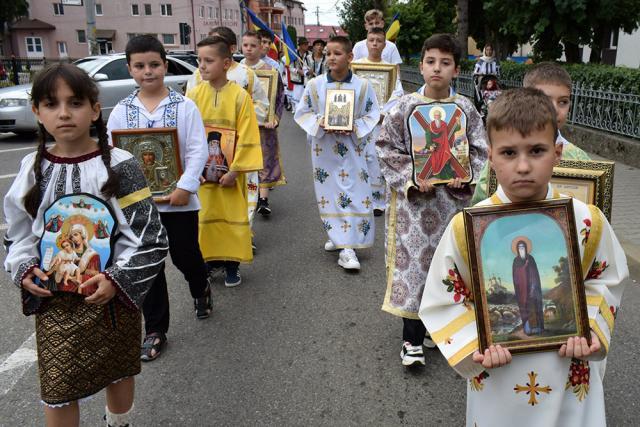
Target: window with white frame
168, 39
147, 9
210, 12
62, 49
226, 14
216, 13
82, 36
203, 36
135, 9
201, 12
165, 9
34, 46
58, 9
98, 9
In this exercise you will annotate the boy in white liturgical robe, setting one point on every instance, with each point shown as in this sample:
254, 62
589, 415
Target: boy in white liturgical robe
548, 388
340, 173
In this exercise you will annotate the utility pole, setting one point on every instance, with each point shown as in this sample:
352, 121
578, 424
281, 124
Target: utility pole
90, 9
318, 15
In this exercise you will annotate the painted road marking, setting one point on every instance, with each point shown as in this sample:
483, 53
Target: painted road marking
4, 227
8, 150
18, 362
11, 175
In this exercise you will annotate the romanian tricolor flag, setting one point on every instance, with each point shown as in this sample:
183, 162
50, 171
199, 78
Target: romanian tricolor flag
394, 28
258, 24
288, 45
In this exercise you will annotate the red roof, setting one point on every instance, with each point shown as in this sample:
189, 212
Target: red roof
322, 32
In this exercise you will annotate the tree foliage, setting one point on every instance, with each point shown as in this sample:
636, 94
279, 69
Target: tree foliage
554, 26
12, 9
418, 20
294, 35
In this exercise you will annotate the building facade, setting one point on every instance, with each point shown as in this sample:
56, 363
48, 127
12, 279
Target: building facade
276, 12
54, 29
322, 32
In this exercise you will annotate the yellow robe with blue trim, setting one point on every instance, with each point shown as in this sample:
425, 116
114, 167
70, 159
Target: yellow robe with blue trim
224, 231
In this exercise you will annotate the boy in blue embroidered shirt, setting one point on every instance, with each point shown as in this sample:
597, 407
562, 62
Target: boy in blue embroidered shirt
156, 106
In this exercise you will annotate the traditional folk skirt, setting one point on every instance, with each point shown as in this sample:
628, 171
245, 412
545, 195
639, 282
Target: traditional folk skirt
82, 348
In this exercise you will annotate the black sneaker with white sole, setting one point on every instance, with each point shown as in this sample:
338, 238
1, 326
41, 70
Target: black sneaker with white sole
263, 207
203, 305
412, 355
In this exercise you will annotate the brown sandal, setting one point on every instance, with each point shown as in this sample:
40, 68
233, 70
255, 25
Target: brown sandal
152, 346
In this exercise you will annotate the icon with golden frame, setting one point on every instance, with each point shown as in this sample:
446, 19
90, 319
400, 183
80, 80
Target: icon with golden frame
339, 108
158, 152
589, 181
381, 76
527, 285
221, 143
269, 81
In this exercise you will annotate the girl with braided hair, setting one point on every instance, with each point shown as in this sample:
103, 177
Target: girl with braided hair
107, 322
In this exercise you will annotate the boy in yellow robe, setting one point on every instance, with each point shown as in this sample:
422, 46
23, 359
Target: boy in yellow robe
226, 108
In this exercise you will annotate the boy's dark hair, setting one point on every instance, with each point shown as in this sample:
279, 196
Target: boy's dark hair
219, 43
319, 41
524, 110
302, 40
377, 30
547, 73
45, 86
226, 33
444, 43
343, 41
264, 34
144, 43
251, 34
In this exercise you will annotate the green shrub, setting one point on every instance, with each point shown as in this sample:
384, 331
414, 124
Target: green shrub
605, 77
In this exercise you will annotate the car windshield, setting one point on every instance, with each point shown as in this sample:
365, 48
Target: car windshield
91, 64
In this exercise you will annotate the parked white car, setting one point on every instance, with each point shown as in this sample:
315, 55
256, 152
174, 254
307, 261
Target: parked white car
114, 81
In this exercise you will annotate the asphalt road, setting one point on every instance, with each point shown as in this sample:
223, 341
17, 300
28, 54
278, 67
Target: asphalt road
300, 342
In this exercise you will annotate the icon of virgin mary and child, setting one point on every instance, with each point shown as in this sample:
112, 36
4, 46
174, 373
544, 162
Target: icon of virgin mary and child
76, 261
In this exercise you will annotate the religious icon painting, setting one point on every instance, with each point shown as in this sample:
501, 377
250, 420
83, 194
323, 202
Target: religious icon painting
439, 144
339, 107
269, 81
221, 143
77, 241
158, 152
527, 285
382, 78
589, 181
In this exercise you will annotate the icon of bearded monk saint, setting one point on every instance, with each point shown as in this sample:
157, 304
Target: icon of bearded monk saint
528, 289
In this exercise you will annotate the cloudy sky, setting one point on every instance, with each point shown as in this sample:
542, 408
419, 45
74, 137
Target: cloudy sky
328, 11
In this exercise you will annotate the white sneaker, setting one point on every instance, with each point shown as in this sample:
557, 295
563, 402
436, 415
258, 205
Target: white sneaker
348, 260
330, 246
412, 355
428, 342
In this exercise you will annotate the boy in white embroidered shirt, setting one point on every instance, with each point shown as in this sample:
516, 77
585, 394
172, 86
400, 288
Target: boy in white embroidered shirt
156, 106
